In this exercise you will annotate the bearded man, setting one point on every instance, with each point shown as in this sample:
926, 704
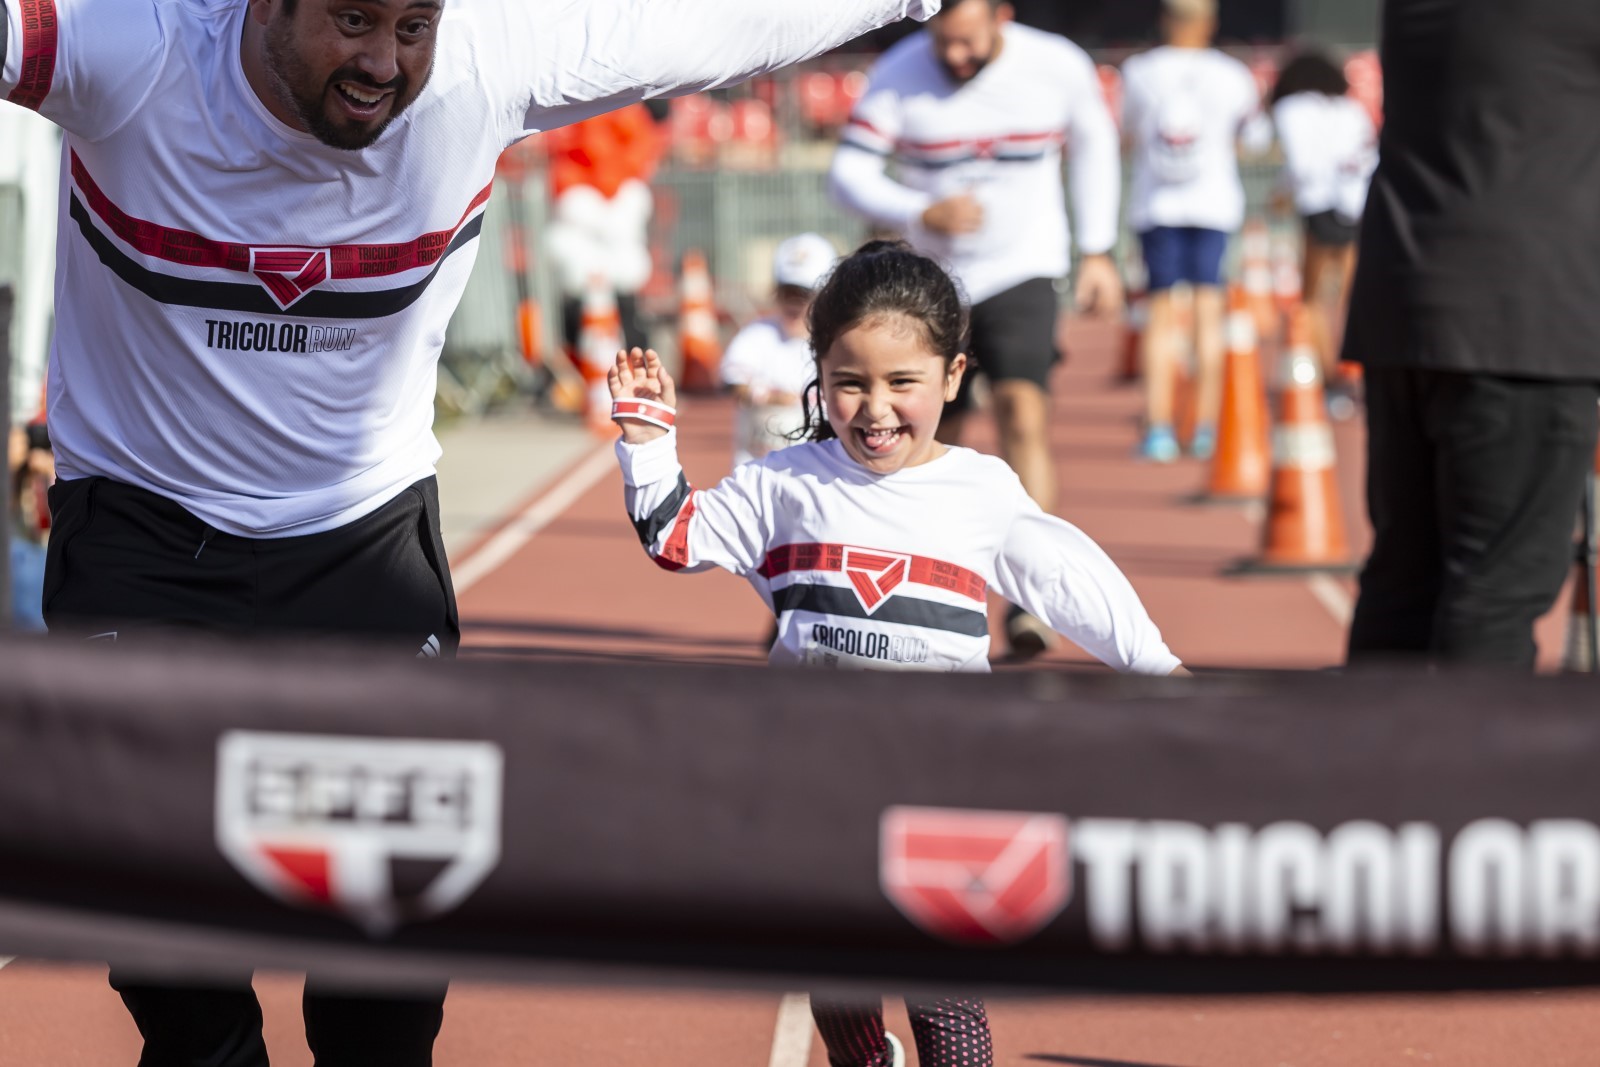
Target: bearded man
271, 211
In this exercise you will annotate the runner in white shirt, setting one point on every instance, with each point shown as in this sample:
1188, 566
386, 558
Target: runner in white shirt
768, 365
972, 115
1330, 149
269, 213
1185, 105
874, 544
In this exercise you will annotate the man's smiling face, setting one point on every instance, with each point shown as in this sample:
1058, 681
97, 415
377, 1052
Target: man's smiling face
347, 68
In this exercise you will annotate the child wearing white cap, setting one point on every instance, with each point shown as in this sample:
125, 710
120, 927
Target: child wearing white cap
769, 364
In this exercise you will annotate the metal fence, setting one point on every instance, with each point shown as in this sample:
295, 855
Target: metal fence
483, 360
738, 217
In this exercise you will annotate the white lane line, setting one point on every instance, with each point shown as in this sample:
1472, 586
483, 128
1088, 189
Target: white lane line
1332, 596
493, 553
791, 1038
5, 960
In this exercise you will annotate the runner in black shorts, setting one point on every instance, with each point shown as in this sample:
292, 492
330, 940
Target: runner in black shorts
1012, 343
976, 184
1012, 338
1330, 148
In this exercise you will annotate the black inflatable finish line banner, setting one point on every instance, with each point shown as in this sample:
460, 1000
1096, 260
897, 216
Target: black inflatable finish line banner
195, 812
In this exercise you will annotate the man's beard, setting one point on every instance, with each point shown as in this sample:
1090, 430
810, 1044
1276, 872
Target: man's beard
291, 80
977, 69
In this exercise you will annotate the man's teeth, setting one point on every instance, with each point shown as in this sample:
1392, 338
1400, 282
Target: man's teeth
360, 96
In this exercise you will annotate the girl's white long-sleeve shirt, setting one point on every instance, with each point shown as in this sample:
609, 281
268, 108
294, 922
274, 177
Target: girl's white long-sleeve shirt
888, 572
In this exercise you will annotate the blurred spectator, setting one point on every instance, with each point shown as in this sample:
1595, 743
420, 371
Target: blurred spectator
973, 113
1329, 151
30, 160
29, 472
1185, 105
1476, 311
769, 363
600, 171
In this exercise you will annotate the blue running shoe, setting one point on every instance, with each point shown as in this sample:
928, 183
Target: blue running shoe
1159, 445
1204, 444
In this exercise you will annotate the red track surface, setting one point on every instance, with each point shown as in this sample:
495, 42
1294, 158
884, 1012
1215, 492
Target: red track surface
565, 595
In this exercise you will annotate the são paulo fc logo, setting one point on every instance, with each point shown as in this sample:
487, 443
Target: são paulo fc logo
874, 575
975, 877
290, 273
383, 831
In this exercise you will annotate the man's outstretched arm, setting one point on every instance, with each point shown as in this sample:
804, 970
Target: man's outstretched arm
580, 58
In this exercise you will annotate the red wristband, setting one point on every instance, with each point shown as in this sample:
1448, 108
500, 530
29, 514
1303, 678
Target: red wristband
651, 411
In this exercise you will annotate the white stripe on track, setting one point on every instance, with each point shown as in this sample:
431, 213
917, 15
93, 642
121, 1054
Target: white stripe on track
791, 1037
5, 960
493, 553
1332, 596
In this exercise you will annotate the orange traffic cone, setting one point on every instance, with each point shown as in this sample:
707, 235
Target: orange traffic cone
1242, 465
1255, 272
698, 342
1305, 526
599, 340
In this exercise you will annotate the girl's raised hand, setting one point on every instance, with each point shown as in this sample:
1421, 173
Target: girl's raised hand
639, 375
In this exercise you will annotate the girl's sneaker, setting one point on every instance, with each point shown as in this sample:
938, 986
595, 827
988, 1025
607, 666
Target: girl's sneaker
1204, 444
1160, 445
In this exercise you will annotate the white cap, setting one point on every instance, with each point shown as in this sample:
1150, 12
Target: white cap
803, 261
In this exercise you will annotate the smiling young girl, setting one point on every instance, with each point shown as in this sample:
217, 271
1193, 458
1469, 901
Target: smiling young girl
876, 546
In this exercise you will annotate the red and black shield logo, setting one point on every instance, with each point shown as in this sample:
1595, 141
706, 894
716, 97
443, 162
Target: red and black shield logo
975, 877
874, 575
290, 273
383, 830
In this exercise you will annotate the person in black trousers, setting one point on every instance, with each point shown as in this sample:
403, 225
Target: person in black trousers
1476, 312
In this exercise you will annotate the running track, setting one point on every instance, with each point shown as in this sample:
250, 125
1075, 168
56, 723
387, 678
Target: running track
550, 585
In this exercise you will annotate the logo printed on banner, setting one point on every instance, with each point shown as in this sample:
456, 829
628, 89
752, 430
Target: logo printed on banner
290, 273
384, 831
874, 575
975, 877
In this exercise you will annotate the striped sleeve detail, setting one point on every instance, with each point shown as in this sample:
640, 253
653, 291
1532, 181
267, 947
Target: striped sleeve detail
859, 133
39, 41
651, 526
674, 554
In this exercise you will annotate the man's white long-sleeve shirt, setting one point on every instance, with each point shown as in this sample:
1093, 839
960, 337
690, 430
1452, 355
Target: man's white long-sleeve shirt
249, 321
1000, 137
